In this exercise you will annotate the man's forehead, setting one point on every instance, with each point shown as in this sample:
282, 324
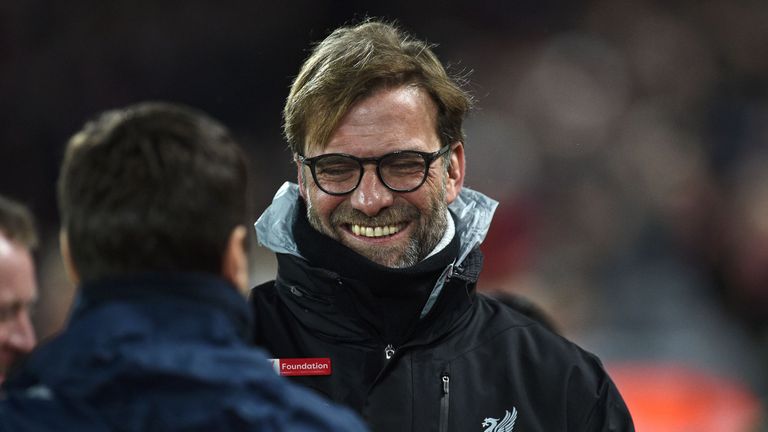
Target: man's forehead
407, 95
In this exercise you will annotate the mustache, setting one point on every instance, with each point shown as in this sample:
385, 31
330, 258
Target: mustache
388, 216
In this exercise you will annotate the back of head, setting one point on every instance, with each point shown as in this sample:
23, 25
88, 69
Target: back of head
17, 224
353, 62
150, 188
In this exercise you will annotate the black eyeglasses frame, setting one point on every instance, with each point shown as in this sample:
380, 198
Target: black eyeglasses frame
429, 158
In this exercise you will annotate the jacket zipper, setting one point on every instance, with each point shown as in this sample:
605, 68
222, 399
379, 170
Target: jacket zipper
444, 402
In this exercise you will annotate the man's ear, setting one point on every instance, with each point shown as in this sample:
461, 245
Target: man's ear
234, 266
66, 257
455, 177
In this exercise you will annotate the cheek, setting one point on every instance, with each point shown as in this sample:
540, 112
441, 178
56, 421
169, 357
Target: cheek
432, 190
323, 204
422, 198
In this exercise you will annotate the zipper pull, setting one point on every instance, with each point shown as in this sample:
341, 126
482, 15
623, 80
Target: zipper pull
444, 402
389, 351
446, 381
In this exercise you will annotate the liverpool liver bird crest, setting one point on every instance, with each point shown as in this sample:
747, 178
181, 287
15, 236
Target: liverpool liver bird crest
506, 424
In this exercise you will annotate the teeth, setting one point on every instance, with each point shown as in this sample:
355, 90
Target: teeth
378, 231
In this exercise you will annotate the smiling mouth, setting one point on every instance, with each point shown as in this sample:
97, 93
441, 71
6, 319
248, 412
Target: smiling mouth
377, 231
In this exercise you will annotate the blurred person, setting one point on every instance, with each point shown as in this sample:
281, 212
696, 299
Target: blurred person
18, 285
743, 270
153, 199
377, 251
676, 397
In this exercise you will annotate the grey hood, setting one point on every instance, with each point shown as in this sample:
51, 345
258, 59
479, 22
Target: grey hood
274, 228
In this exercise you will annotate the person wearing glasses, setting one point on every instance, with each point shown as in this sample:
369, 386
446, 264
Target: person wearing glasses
374, 302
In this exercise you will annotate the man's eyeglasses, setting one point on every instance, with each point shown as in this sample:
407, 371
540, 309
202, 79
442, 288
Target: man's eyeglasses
400, 171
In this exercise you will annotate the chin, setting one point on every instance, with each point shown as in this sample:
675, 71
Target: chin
387, 258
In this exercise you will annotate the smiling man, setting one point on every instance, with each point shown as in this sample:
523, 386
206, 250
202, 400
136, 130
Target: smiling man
365, 212
377, 249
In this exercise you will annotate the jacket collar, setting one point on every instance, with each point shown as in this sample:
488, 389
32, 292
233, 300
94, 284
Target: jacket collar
473, 212
336, 307
202, 288
274, 228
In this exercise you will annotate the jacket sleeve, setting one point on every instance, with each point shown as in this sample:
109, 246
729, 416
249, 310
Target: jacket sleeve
606, 410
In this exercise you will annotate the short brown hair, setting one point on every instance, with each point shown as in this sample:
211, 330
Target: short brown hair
353, 62
17, 224
151, 187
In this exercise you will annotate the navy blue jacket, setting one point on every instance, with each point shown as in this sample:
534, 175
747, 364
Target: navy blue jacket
160, 353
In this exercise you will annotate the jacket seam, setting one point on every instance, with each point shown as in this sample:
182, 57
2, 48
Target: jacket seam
484, 342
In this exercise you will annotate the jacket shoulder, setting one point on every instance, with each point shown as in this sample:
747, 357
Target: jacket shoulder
265, 307
529, 334
553, 365
263, 288
513, 313
263, 297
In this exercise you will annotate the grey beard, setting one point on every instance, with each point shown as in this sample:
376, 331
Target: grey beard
429, 231
426, 238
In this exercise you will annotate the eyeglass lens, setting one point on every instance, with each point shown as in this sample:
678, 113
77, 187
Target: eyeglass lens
400, 171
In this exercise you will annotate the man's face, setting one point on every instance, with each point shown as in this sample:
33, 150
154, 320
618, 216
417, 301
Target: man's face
391, 119
18, 291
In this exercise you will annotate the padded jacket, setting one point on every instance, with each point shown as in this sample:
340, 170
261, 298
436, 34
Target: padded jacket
470, 363
160, 352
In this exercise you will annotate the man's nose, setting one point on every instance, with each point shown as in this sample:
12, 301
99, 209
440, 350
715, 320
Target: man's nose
21, 335
371, 196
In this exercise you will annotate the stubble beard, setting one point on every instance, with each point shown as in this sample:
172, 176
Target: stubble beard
429, 230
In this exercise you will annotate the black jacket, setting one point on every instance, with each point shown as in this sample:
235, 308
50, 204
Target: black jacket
468, 363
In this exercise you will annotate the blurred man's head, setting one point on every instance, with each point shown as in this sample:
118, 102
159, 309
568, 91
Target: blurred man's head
375, 123
154, 187
18, 286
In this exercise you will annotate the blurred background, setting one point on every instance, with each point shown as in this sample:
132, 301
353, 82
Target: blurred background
627, 142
